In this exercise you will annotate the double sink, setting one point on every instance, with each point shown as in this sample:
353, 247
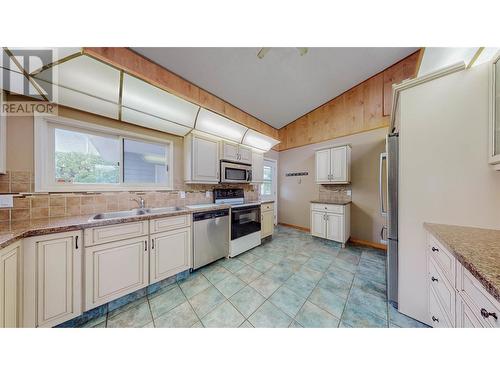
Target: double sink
136, 212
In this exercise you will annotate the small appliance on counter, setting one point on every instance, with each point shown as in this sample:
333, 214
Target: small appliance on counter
245, 220
231, 172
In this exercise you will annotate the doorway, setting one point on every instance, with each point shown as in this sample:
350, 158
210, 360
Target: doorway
269, 186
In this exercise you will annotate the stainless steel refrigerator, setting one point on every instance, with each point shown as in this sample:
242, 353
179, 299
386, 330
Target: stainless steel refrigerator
388, 188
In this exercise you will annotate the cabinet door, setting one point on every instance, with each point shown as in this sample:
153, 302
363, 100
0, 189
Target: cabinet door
205, 159
229, 151
245, 154
9, 286
323, 166
170, 253
318, 224
257, 167
466, 317
115, 269
335, 227
267, 223
339, 164
59, 280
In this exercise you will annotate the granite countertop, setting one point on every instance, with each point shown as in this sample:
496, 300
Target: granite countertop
478, 250
342, 201
28, 228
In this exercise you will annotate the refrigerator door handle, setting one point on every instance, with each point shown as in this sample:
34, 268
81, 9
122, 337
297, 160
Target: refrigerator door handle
383, 156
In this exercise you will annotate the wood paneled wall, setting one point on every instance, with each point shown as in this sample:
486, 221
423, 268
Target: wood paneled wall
133, 63
365, 107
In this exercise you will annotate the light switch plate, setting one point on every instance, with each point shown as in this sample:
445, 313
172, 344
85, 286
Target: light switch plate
6, 201
182, 194
349, 193
207, 194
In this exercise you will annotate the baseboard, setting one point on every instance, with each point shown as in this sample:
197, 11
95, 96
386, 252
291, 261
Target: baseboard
304, 229
369, 243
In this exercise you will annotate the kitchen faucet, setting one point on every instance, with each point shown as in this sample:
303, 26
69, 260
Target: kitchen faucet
140, 201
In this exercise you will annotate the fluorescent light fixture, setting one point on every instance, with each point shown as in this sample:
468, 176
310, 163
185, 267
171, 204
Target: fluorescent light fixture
436, 58
258, 140
148, 121
486, 55
212, 123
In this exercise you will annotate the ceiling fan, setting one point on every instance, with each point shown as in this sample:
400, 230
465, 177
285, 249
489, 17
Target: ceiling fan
263, 51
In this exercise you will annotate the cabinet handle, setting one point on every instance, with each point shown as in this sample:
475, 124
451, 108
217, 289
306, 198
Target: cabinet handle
485, 314
434, 279
76, 242
434, 319
152, 243
146, 245
435, 249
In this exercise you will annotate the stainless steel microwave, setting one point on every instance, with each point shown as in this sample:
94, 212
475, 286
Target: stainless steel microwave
235, 172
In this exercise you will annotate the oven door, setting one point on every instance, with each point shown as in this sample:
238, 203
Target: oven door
244, 221
235, 173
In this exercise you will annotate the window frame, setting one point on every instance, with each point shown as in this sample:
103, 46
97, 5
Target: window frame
44, 148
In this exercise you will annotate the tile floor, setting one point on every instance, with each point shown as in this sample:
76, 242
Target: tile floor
293, 280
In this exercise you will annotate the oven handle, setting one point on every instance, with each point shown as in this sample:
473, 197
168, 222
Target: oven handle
244, 209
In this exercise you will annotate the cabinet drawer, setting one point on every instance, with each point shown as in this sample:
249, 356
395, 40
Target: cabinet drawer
478, 298
334, 208
443, 289
437, 315
466, 317
444, 259
168, 223
267, 207
109, 233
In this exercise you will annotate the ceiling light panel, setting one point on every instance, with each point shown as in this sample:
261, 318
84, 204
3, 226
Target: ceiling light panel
138, 94
212, 123
152, 122
258, 140
86, 75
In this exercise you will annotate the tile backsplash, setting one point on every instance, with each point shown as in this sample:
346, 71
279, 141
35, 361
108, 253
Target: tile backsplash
30, 206
332, 192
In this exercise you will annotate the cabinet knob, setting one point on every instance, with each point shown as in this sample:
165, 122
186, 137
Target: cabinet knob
435, 248
485, 314
434, 279
434, 319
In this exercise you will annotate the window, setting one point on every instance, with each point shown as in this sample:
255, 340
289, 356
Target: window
75, 156
267, 186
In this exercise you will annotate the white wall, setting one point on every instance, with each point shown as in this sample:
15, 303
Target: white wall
444, 172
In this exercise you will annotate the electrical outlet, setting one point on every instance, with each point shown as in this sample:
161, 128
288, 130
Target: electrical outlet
207, 194
6, 201
182, 194
349, 193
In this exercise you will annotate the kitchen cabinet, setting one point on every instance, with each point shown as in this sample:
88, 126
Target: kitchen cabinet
3, 137
257, 167
267, 220
236, 152
201, 159
494, 93
331, 222
9, 285
115, 269
333, 165
170, 253
456, 298
52, 279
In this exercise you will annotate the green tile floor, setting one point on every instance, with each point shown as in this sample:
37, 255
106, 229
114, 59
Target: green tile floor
293, 280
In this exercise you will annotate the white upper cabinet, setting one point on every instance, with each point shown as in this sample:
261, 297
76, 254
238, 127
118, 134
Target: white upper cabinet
144, 97
201, 159
234, 152
494, 142
333, 165
257, 167
83, 83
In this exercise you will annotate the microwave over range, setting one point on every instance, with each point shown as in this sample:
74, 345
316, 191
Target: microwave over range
231, 172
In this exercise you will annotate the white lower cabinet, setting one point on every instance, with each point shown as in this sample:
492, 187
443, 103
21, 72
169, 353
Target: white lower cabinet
115, 269
456, 297
266, 220
170, 254
52, 279
9, 285
331, 222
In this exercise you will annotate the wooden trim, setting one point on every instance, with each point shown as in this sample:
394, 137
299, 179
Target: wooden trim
304, 229
376, 245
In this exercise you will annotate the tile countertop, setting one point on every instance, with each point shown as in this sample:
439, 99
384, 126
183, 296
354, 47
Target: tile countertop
28, 228
478, 250
342, 201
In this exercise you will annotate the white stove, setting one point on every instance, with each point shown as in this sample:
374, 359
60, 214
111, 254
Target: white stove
245, 220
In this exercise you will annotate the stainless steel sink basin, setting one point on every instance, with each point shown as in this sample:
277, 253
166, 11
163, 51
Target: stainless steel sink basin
136, 212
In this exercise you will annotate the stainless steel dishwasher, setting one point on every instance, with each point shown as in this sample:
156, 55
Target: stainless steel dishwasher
210, 236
